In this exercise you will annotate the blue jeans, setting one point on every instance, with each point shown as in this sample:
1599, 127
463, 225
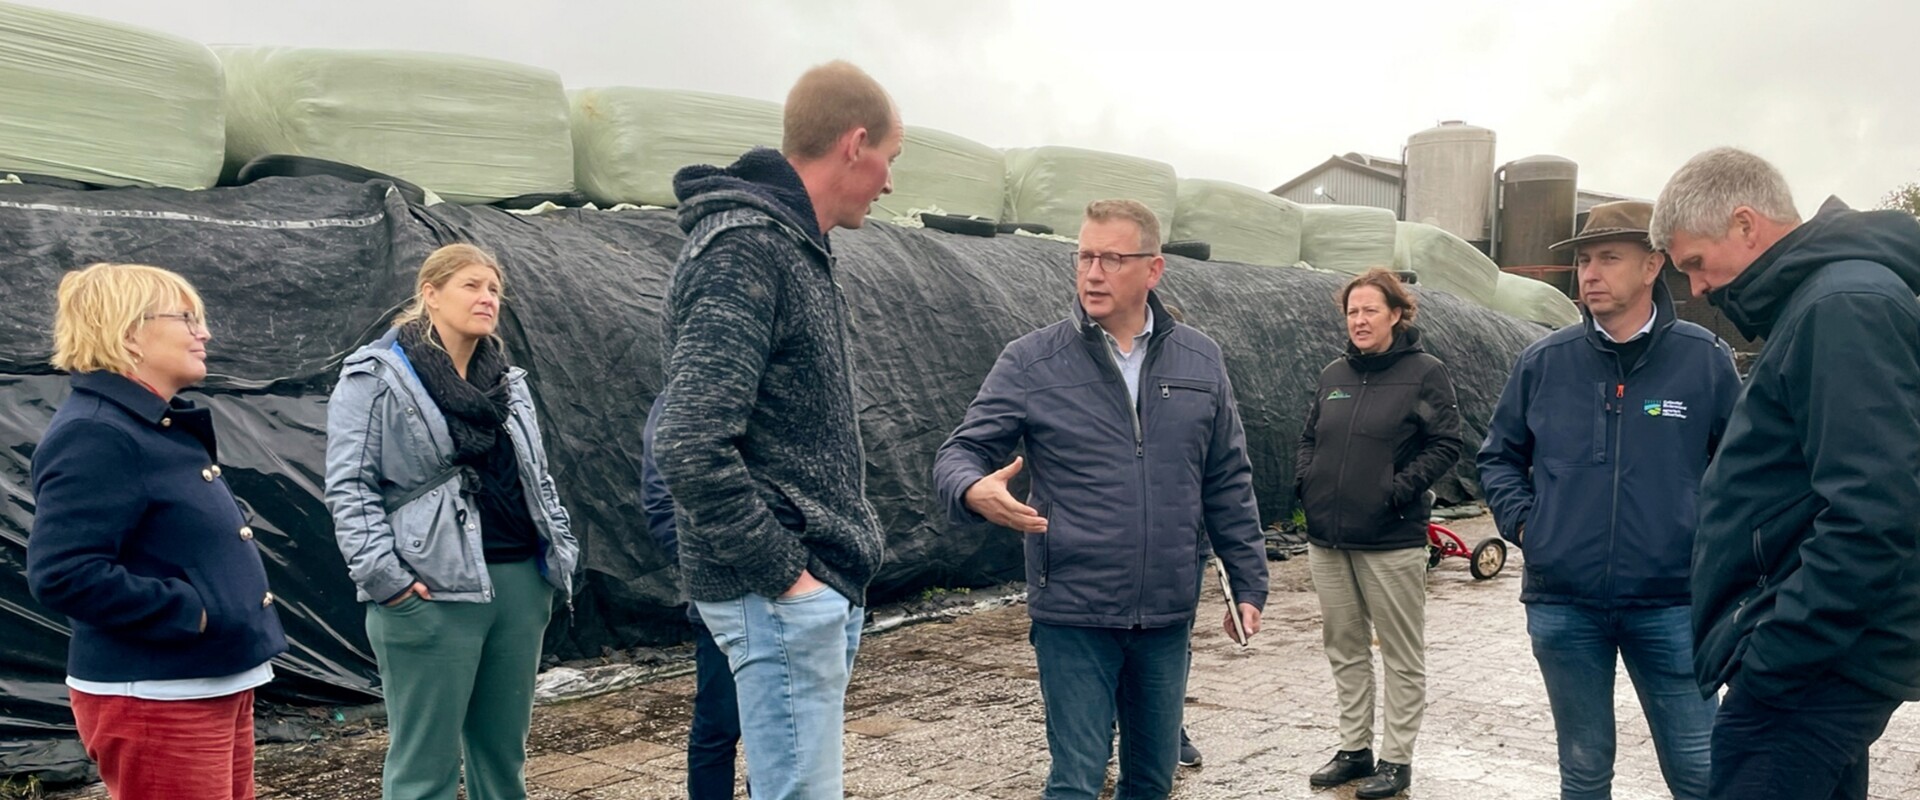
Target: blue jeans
791, 660
715, 734
1090, 676
1576, 648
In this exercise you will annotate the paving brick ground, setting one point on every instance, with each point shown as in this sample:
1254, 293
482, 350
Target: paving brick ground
952, 712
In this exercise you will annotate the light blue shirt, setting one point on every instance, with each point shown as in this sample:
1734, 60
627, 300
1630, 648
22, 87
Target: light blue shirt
180, 689
1129, 363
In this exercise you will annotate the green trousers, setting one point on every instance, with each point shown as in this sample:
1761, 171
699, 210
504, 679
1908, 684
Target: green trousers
458, 679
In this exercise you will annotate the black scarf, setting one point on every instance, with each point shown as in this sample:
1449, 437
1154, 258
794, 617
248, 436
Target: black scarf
475, 407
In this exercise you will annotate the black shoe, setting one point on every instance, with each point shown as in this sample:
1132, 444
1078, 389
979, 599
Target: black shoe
1189, 755
1346, 766
1390, 779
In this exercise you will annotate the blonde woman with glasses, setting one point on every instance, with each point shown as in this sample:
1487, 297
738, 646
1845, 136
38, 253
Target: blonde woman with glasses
138, 540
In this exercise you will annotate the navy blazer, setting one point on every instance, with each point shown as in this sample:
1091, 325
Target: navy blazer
135, 534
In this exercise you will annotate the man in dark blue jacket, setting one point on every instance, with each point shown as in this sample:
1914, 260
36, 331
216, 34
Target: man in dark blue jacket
714, 736
1592, 464
1806, 566
1136, 444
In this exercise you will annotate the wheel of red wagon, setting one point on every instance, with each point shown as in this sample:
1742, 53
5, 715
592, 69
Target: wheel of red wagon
1489, 557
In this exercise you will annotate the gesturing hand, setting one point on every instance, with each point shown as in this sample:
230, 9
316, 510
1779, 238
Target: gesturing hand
989, 498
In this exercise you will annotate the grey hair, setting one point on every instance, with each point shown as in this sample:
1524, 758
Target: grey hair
1700, 198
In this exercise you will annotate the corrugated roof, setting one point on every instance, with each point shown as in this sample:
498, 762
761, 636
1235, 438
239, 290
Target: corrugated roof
1359, 161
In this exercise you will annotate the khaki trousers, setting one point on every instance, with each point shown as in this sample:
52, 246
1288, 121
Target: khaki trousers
1364, 594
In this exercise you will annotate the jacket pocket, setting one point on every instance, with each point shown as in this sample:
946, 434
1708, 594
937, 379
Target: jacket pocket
230, 599
1572, 421
1776, 537
785, 511
1180, 415
1039, 547
431, 536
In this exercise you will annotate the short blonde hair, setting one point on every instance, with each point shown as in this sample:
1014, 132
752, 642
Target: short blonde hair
99, 306
830, 100
1132, 211
439, 268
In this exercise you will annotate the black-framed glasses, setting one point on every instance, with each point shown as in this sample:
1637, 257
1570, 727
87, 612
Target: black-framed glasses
1110, 263
194, 321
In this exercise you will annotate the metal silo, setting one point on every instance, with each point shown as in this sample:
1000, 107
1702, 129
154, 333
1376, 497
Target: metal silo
1449, 179
1536, 208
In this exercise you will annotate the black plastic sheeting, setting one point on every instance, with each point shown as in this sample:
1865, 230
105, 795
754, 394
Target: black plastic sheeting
297, 272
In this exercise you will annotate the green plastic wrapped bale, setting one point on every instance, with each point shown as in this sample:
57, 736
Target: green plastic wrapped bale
473, 130
1535, 301
1445, 261
628, 141
1053, 185
1348, 239
95, 101
1242, 223
952, 173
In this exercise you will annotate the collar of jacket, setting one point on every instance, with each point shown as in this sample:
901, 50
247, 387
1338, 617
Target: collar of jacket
126, 393
384, 350
761, 179
1405, 343
142, 404
1663, 317
1162, 322
1754, 300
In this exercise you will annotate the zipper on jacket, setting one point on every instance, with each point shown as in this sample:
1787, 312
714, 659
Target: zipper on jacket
1619, 421
1760, 584
1046, 560
1140, 474
421, 399
1339, 483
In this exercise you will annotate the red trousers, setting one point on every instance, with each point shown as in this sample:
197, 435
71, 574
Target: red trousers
169, 749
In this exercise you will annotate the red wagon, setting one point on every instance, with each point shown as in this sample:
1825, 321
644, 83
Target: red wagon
1484, 559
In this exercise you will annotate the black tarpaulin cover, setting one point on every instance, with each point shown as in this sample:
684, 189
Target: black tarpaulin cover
296, 273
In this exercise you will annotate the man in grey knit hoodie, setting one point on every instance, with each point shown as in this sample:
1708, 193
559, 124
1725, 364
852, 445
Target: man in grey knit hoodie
758, 440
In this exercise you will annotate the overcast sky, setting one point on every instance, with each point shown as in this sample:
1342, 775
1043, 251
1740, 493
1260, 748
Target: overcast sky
1253, 92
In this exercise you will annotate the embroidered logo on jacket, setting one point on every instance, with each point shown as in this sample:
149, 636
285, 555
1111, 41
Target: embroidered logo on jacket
1672, 409
1338, 395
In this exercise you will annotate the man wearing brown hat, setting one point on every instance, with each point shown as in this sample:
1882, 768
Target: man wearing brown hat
1591, 466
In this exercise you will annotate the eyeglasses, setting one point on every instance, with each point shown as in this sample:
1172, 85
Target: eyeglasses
194, 322
1110, 263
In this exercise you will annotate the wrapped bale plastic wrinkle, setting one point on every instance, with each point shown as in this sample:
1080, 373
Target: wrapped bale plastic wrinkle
951, 173
1349, 239
629, 141
1241, 223
1534, 301
1445, 262
473, 130
103, 103
1053, 185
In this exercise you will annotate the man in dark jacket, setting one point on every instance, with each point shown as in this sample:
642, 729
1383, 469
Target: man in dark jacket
1137, 449
1806, 601
758, 439
1592, 464
714, 734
